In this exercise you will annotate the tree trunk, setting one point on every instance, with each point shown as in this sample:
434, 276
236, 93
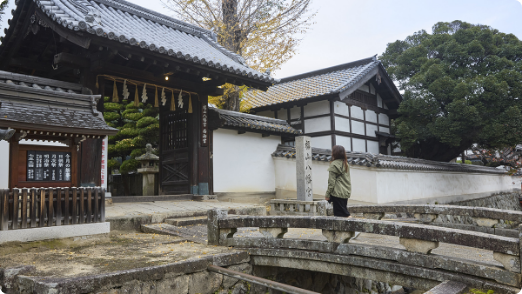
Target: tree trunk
231, 40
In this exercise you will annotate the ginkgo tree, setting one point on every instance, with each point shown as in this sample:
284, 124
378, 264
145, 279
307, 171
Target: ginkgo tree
264, 32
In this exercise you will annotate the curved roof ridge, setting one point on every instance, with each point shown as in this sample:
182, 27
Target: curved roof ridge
359, 75
251, 116
329, 69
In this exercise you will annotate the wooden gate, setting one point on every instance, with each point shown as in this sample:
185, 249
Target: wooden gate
174, 152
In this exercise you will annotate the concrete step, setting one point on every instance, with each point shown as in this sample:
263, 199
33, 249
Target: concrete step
187, 221
197, 233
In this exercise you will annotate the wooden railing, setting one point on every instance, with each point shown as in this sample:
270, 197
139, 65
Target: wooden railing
47, 207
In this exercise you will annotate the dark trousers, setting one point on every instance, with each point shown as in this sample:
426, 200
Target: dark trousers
339, 206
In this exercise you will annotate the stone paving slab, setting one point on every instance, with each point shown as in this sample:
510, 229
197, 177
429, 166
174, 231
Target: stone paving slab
130, 216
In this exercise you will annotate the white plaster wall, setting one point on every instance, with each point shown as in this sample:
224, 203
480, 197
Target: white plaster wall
318, 124
4, 165
357, 127
344, 141
378, 185
357, 112
295, 112
364, 88
267, 113
341, 108
359, 145
324, 142
373, 147
282, 114
383, 119
317, 108
384, 130
379, 101
242, 163
371, 116
370, 130
342, 124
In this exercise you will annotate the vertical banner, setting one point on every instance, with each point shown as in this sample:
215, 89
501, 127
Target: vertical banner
104, 159
204, 125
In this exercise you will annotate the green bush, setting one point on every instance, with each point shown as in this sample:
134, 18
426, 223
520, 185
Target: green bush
139, 142
128, 133
113, 106
111, 116
133, 116
130, 111
145, 121
137, 152
124, 146
129, 125
112, 164
111, 150
106, 99
129, 166
151, 112
465, 162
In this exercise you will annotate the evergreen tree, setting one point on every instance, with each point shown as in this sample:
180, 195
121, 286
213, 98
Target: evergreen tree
462, 86
137, 125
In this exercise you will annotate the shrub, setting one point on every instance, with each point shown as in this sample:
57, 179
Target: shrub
113, 106
129, 165
133, 116
145, 121
111, 116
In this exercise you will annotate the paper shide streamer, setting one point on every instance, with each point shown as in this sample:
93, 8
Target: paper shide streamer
125, 90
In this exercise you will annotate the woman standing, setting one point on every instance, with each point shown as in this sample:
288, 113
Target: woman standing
339, 185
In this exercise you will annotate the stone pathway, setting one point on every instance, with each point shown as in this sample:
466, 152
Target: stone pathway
175, 208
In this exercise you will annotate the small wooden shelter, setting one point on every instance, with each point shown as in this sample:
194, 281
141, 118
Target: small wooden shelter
106, 44
47, 110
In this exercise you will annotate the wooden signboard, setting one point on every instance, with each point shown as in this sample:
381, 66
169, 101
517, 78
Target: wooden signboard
48, 166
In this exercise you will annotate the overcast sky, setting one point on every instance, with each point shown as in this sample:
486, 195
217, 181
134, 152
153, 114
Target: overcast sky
348, 30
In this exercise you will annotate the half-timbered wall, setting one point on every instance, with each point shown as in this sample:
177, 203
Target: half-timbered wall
340, 122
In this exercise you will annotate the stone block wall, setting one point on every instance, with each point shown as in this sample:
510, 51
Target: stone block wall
504, 201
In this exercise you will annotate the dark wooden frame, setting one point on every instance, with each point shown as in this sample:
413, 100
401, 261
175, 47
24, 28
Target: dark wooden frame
17, 171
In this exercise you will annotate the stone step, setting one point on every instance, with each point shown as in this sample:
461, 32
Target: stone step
187, 221
197, 233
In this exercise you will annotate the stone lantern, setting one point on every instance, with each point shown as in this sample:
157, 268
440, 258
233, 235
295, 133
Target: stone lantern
149, 167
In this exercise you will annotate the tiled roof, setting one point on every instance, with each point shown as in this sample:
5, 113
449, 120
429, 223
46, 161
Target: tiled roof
128, 23
254, 123
390, 162
32, 103
322, 82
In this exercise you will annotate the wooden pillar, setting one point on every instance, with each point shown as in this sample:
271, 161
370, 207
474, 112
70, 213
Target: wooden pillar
194, 143
13, 163
90, 155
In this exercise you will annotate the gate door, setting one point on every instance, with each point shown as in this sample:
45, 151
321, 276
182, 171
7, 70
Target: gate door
174, 149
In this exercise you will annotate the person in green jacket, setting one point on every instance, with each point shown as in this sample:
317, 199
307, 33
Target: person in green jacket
339, 185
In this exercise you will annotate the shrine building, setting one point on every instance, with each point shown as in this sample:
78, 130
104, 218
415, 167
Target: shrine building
351, 104
116, 48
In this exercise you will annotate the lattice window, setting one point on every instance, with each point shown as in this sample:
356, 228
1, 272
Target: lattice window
174, 130
364, 97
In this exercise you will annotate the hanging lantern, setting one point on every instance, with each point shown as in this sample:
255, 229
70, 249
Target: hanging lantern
172, 102
144, 94
180, 99
163, 97
125, 90
136, 98
156, 101
115, 93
